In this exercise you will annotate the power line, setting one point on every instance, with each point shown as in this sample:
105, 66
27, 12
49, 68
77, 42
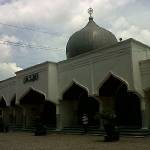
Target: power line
21, 44
25, 28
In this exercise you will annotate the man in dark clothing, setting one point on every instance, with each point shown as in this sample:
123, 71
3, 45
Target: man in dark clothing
109, 122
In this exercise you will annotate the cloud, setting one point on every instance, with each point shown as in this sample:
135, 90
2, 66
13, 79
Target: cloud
5, 49
8, 70
50, 13
126, 29
120, 23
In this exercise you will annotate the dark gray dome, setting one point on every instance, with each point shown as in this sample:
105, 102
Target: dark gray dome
89, 38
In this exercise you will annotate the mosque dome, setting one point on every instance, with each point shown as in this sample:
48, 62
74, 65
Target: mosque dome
89, 38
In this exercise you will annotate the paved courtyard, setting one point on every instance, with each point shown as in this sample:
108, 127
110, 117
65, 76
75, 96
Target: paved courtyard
26, 141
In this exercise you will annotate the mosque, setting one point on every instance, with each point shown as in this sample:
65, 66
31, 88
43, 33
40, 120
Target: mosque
100, 73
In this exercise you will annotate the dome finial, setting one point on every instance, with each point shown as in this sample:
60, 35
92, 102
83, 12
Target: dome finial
90, 11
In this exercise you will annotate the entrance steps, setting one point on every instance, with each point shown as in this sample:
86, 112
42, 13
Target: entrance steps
79, 129
134, 132
20, 128
97, 131
15, 127
93, 130
27, 129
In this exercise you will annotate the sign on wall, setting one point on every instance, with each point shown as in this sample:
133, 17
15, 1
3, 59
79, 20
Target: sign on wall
31, 78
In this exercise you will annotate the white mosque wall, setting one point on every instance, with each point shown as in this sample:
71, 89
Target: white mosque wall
91, 69
40, 84
8, 89
88, 70
116, 61
139, 52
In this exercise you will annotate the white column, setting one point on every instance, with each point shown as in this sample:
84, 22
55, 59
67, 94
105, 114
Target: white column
145, 113
58, 117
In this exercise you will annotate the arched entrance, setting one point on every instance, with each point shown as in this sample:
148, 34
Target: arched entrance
128, 109
89, 106
32, 103
117, 99
16, 113
2, 102
2, 108
4, 120
75, 103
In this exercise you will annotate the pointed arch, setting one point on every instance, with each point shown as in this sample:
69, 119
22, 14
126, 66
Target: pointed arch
32, 96
2, 102
116, 98
32, 102
75, 91
111, 85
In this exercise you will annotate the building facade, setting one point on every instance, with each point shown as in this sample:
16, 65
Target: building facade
99, 73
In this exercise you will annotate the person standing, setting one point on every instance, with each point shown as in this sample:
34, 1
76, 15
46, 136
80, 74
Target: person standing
109, 122
85, 123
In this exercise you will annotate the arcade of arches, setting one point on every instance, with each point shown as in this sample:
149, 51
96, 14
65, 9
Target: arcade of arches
114, 97
37, 109
125, 104
33, 108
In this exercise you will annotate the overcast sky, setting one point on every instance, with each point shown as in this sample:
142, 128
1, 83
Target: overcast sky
50, 24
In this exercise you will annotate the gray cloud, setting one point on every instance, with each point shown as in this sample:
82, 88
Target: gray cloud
3, 2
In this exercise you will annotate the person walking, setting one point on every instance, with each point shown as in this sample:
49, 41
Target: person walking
85, 123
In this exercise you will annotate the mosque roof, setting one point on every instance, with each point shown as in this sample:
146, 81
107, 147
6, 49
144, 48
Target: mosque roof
89, 38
